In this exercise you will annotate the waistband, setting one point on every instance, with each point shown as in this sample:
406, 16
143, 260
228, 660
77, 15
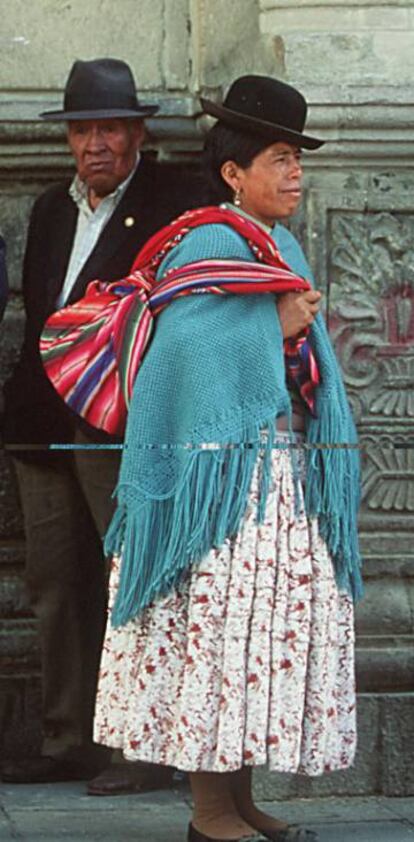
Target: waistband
297, 424
285, 436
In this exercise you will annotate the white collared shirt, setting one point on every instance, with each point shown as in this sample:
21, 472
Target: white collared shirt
89, 226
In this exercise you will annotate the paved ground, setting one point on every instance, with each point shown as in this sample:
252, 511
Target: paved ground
57, 812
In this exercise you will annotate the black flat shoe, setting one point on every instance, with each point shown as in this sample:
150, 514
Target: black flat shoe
293, 833
195, 836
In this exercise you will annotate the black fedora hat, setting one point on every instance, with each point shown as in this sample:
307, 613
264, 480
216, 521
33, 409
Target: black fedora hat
267, 107
101, 88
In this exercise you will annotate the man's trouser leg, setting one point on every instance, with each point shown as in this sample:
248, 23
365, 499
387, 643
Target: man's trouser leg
97, 470
65, 577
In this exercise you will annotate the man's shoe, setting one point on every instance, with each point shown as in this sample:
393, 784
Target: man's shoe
44, 770
124, 778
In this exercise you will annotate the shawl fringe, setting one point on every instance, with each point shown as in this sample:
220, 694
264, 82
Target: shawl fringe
332, 492
161, 539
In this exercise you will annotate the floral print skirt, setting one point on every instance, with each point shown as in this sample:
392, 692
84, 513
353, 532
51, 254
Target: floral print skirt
249, 662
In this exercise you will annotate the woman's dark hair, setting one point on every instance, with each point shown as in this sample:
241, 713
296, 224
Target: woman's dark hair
224, 144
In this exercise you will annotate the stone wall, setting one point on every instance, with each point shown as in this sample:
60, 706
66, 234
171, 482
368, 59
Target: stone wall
354, 61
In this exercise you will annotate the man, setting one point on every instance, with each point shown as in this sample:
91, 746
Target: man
89, 228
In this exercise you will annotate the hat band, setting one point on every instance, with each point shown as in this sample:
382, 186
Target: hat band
90, 102
292, 122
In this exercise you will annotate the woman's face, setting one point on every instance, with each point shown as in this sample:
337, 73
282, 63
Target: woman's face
270, 187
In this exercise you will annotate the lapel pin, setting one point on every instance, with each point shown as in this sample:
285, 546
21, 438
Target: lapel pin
129, 221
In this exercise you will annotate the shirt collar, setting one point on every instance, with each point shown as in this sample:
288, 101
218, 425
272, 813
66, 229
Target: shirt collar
79, 191
232, 207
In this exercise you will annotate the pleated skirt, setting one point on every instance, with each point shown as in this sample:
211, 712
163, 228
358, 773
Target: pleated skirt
249, 662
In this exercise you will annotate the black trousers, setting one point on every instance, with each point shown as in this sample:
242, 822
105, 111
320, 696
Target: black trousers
67, 508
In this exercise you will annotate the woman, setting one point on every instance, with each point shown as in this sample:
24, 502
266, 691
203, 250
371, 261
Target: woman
231, 641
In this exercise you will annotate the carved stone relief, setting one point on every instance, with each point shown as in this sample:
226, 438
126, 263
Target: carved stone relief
371, 319
388, 483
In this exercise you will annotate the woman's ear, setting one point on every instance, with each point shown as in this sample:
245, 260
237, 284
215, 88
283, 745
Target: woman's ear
230, 173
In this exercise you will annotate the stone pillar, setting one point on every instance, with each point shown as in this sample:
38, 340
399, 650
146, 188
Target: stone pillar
354, 61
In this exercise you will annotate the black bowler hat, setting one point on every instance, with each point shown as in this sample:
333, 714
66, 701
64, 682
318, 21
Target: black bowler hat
267, 107
100, 89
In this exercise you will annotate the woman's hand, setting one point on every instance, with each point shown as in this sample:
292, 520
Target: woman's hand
297, 311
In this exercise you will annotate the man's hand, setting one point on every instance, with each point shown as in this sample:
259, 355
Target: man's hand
297, 311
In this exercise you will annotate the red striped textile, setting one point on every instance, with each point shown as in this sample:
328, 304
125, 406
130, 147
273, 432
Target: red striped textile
92, 350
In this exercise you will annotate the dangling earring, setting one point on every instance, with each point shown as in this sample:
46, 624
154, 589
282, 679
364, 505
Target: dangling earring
237, 199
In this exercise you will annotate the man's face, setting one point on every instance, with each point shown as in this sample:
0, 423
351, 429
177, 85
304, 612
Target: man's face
105, 152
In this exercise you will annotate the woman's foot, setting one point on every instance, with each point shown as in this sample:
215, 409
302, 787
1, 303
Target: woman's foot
215, 814
223, 826
274, 829
242, 797
262, 822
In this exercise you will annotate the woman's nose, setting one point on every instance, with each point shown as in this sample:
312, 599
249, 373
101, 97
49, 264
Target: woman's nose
296, 168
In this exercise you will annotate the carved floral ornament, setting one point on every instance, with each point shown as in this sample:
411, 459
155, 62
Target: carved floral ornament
371, 318
371, 308
388, 481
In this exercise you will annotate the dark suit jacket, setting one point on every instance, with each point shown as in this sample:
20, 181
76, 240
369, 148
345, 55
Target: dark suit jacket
34, 413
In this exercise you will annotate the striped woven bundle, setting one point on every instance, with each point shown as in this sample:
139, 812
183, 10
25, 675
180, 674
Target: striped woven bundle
302, 368
92, 350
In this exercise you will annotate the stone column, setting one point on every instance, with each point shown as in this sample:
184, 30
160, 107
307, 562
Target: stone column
354, 61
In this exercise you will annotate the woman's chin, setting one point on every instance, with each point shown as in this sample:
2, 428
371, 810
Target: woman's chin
289, 210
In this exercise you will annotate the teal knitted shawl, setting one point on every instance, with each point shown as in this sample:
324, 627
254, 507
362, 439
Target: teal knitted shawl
214, 375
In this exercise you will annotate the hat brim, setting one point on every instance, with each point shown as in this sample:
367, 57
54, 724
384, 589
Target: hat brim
99, 113
254, 125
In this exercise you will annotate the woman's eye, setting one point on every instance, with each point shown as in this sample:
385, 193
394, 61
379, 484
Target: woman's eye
285, 159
